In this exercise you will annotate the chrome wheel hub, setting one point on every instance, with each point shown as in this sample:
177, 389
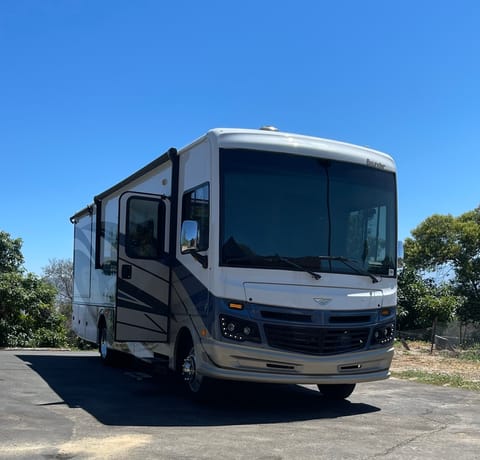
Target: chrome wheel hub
188, 369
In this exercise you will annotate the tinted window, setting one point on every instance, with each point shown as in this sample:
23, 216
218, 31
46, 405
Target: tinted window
144, 232
196, 206
305, 208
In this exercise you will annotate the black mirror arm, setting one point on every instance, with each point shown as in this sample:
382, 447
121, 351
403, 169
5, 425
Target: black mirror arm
203, 260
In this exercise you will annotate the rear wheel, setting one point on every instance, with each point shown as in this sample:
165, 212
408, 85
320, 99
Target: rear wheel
337, 391
107, 355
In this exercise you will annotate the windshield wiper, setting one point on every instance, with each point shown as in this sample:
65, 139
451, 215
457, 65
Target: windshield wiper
273, 259
349, 263
297, 266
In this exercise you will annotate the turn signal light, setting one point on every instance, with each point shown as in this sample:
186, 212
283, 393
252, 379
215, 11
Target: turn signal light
235, 306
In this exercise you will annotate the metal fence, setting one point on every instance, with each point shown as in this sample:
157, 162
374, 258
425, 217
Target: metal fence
445, 336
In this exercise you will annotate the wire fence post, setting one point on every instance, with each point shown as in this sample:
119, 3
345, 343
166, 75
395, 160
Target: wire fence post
434, 332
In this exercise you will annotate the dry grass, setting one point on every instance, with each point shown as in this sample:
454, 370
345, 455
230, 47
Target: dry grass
441, 367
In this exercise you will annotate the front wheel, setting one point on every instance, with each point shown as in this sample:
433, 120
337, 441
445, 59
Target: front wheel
337, 391
198, 386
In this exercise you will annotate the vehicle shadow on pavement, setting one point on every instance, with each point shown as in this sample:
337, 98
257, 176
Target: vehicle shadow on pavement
133, 396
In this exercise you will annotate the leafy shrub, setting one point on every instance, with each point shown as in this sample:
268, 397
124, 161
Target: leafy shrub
471, 353
44, 337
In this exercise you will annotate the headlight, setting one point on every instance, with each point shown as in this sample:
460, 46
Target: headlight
384, 334
239, 329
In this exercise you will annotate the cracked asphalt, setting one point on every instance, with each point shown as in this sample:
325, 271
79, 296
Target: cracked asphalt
66, 405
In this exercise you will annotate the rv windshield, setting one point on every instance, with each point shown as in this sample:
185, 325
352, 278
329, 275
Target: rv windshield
287, 212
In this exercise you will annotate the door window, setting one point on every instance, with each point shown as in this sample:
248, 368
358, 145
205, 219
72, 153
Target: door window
145, 236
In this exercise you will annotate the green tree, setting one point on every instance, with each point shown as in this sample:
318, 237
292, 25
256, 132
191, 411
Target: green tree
444, 241
11, 258
421, 301
27, 313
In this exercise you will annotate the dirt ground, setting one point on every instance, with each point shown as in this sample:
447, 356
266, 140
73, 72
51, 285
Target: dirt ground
440, 362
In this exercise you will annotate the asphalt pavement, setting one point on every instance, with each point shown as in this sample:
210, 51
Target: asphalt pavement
67, 405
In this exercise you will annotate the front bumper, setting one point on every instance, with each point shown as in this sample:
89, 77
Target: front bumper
233, 362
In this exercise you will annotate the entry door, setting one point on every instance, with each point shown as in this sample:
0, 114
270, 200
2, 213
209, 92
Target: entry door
143, 276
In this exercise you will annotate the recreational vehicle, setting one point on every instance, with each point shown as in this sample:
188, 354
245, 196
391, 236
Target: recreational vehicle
248, 255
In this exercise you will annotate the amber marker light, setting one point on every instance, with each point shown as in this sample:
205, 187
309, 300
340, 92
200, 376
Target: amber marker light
385, 312
203, 332
235, 306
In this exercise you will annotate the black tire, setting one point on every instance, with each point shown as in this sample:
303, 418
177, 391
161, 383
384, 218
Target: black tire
107, 355
337, 391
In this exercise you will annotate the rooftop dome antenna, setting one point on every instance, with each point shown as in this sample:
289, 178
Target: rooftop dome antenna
269, 128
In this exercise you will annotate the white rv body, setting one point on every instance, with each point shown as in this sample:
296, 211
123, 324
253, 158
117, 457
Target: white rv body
312, 318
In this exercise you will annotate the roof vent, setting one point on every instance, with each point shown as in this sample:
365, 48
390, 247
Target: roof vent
269, 128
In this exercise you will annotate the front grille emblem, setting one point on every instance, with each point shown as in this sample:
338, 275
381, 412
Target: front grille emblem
322, 300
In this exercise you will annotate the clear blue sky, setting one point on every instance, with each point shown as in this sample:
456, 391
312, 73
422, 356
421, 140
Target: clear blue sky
90, 91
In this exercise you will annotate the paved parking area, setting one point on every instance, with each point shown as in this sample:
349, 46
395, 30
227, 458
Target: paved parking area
66, 405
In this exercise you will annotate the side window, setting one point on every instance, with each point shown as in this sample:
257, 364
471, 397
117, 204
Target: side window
145, 236
196, 206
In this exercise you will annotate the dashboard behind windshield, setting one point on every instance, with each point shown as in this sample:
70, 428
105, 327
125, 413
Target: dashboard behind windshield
276, 206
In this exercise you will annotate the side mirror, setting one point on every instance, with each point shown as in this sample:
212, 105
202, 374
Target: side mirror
189, 237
